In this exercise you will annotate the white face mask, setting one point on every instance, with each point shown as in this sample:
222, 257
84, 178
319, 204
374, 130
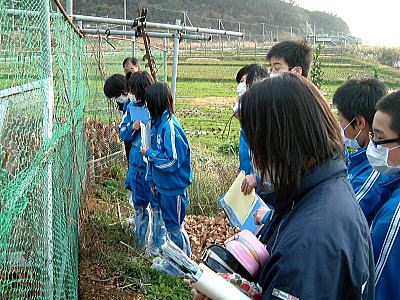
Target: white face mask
131, 97
378, 156
266, 182
122, 99
241, 88
272, 75
236, 107
352, 143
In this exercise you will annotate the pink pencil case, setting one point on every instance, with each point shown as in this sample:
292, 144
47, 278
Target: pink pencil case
248, 250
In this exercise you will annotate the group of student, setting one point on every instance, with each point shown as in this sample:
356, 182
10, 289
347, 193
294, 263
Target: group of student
334, 187
158, 175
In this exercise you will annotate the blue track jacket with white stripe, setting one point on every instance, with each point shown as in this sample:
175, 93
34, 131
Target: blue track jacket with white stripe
170, 171
386, 242
244, 155
366, 183
128, 135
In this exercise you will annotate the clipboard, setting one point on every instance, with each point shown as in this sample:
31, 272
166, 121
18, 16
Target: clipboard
139, 113
239, 214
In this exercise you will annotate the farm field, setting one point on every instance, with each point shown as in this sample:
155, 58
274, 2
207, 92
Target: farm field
205, 91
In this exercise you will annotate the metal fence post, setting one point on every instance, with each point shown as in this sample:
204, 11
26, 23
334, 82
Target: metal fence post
175, 60
48, 134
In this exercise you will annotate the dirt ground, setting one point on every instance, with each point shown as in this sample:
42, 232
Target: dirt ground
212, 101
203, 231
90, 269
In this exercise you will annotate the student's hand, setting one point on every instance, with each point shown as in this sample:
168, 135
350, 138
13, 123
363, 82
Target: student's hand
249, 183
136, 125
154, 190
259, 215
143, 149
199, 296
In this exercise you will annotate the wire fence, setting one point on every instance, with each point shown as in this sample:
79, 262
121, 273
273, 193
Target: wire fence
43, 93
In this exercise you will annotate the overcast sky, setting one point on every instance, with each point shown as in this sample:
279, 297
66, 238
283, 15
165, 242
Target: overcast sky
376, 22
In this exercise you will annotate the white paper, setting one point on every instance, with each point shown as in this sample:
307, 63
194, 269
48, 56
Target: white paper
145, 133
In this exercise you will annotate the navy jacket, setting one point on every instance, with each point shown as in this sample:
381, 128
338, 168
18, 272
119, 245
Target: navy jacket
320, 244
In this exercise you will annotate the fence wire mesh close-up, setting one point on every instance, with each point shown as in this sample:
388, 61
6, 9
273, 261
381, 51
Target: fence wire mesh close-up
43, 92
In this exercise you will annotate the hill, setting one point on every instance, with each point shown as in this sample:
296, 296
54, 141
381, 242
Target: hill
207, 12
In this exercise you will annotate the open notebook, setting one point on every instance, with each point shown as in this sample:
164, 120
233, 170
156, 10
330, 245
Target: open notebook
239, 208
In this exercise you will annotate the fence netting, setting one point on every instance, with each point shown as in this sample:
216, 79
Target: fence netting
43, 153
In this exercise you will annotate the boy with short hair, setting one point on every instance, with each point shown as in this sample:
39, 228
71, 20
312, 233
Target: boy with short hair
384, 155
290, 56
355, 101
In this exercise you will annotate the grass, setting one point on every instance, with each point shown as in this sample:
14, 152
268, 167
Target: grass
129, 264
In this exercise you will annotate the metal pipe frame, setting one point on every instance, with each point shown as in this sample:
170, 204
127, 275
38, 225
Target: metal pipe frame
156, 25
151, 34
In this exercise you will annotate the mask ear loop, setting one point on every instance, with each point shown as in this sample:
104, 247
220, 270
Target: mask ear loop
228, 123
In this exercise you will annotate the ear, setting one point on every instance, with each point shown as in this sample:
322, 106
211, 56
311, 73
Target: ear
361, 123
297, 70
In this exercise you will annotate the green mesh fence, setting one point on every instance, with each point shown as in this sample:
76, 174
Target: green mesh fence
43, 154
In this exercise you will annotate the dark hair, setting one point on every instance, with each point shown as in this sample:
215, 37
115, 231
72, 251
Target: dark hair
358, 97
138, 82
131, 60
390, 105
158, 98
114, 86
290, 129
293, 53
243, 71
256, 73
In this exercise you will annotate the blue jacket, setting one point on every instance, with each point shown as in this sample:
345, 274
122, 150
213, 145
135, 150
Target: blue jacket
366, 182
128, 135
244, 155
386, 241
169, 155
319, 244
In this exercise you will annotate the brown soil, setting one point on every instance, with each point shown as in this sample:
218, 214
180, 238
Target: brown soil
96, 282
213, 101
91, 272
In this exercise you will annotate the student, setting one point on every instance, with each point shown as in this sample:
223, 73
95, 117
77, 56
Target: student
355, 101
384, 155
290, 56
115, 87
285, 57
249, 75
169, 156
131, 65
135, 179
317, 237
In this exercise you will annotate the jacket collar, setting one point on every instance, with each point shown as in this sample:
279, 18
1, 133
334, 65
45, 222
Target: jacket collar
164, 117
358, 156
329, 169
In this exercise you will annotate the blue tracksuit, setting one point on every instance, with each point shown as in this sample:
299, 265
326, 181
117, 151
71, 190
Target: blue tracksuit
244, 155
386, 241
365, 181
171, 173
170, 156
136, 182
